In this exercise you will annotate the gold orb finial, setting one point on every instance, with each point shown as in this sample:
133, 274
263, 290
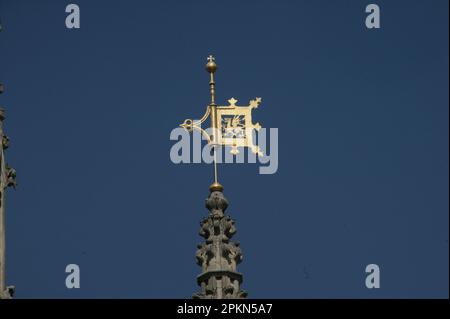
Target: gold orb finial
216, 187
211, 66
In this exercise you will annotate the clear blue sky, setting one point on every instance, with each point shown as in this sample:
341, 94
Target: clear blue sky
363, 153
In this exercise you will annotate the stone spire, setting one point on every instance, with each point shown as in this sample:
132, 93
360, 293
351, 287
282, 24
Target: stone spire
7, 179
218, 255
231, 125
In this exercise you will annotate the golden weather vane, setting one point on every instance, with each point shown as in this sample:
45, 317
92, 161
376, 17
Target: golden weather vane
231, 124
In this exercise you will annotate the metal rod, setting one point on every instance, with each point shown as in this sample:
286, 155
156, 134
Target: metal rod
215, 164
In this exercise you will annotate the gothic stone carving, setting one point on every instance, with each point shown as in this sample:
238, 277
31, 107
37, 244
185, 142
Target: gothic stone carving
218, 255
8, 293
11, 177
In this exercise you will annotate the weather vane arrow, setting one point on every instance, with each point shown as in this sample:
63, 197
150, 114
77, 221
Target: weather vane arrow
231, 124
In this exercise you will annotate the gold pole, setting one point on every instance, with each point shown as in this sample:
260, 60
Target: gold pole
211, 67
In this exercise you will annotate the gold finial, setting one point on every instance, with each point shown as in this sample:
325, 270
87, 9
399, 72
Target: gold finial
211, 66
216, 187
